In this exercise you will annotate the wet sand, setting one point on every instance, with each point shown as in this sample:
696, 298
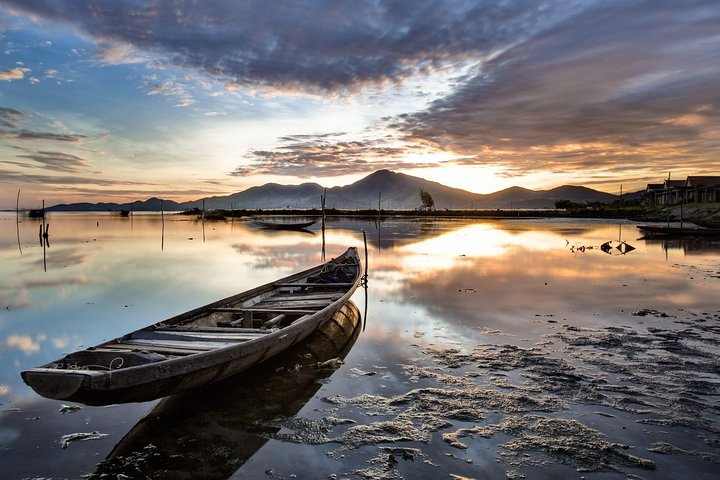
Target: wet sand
636, 401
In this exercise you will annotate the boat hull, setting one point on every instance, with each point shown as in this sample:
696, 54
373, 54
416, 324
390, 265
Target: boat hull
154, 378
227, 414
665, 231
283, 226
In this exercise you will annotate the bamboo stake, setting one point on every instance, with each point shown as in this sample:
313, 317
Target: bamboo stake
365, 276
162, 223
17, 220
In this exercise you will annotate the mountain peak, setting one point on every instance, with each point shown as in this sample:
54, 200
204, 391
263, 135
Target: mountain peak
383, 188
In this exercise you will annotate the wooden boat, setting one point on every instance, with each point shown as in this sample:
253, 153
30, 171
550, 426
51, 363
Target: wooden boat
235, 416
203, 345
282, 225
666, 231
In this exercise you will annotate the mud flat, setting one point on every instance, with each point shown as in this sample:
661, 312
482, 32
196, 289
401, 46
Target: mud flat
635, 401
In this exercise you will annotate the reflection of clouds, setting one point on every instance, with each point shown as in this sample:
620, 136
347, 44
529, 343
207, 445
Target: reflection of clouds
61, 342
58, 258
24, 343
507, 292
455, 248
13, 298
501, 277
290, 251
56, 282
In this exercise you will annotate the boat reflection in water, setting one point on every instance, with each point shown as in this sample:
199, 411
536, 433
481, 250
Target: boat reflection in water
210, 432
689, 245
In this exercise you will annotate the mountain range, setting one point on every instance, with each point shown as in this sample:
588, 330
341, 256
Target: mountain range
391, 190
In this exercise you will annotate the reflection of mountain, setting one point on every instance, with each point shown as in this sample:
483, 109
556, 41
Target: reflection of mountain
393, 190
389, 233
209, 433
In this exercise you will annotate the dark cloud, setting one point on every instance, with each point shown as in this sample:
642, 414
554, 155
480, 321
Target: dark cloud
562, 85
58, 161
10, 118
11, 128
94, 186
617, 85
307, 156
324, 45
58, 137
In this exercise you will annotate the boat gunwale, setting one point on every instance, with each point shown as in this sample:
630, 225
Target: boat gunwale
100, 381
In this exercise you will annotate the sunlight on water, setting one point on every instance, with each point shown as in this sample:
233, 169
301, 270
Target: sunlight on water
433, 283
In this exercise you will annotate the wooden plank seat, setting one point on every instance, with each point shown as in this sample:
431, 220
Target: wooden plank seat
193, 329
301, 304
187, 336
290, 311
215, 336
293, 297
191, 345
176, 351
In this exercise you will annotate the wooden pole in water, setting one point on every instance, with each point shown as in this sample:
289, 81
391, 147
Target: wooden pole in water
203, 219
44, 237
162, 226
365, 276
322, 206
17, 220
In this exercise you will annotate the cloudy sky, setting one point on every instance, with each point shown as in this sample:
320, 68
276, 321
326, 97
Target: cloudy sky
121, 100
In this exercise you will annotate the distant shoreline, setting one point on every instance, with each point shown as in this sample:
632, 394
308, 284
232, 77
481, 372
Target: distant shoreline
708, 214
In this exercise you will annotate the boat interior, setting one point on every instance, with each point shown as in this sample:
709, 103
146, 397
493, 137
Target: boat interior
243, 320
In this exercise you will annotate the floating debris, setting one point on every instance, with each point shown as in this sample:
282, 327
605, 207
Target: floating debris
649, 311
332, 363
69, 408
666, 448
132, 465
80, 437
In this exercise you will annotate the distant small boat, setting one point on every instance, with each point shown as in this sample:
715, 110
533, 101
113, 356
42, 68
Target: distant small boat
283, 225
204, 345
666, 231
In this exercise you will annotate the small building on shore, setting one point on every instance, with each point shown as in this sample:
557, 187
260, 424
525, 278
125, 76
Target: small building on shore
702, 189
694, 189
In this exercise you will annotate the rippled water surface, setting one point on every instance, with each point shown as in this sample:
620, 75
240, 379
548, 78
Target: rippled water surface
490, 349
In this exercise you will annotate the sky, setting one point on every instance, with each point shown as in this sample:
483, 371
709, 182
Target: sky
123, 100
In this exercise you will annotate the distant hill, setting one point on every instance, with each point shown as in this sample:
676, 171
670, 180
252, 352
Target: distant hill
393, 190
149, 205
269, 196
397, 191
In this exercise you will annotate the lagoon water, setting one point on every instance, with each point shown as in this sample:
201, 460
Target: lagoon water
490, 349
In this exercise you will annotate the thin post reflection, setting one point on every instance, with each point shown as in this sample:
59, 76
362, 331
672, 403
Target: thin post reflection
162, 227
17, 220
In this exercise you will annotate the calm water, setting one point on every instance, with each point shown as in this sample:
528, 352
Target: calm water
492, 349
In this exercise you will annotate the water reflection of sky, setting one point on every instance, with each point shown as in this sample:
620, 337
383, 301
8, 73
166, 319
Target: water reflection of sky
456, 281
107, 275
